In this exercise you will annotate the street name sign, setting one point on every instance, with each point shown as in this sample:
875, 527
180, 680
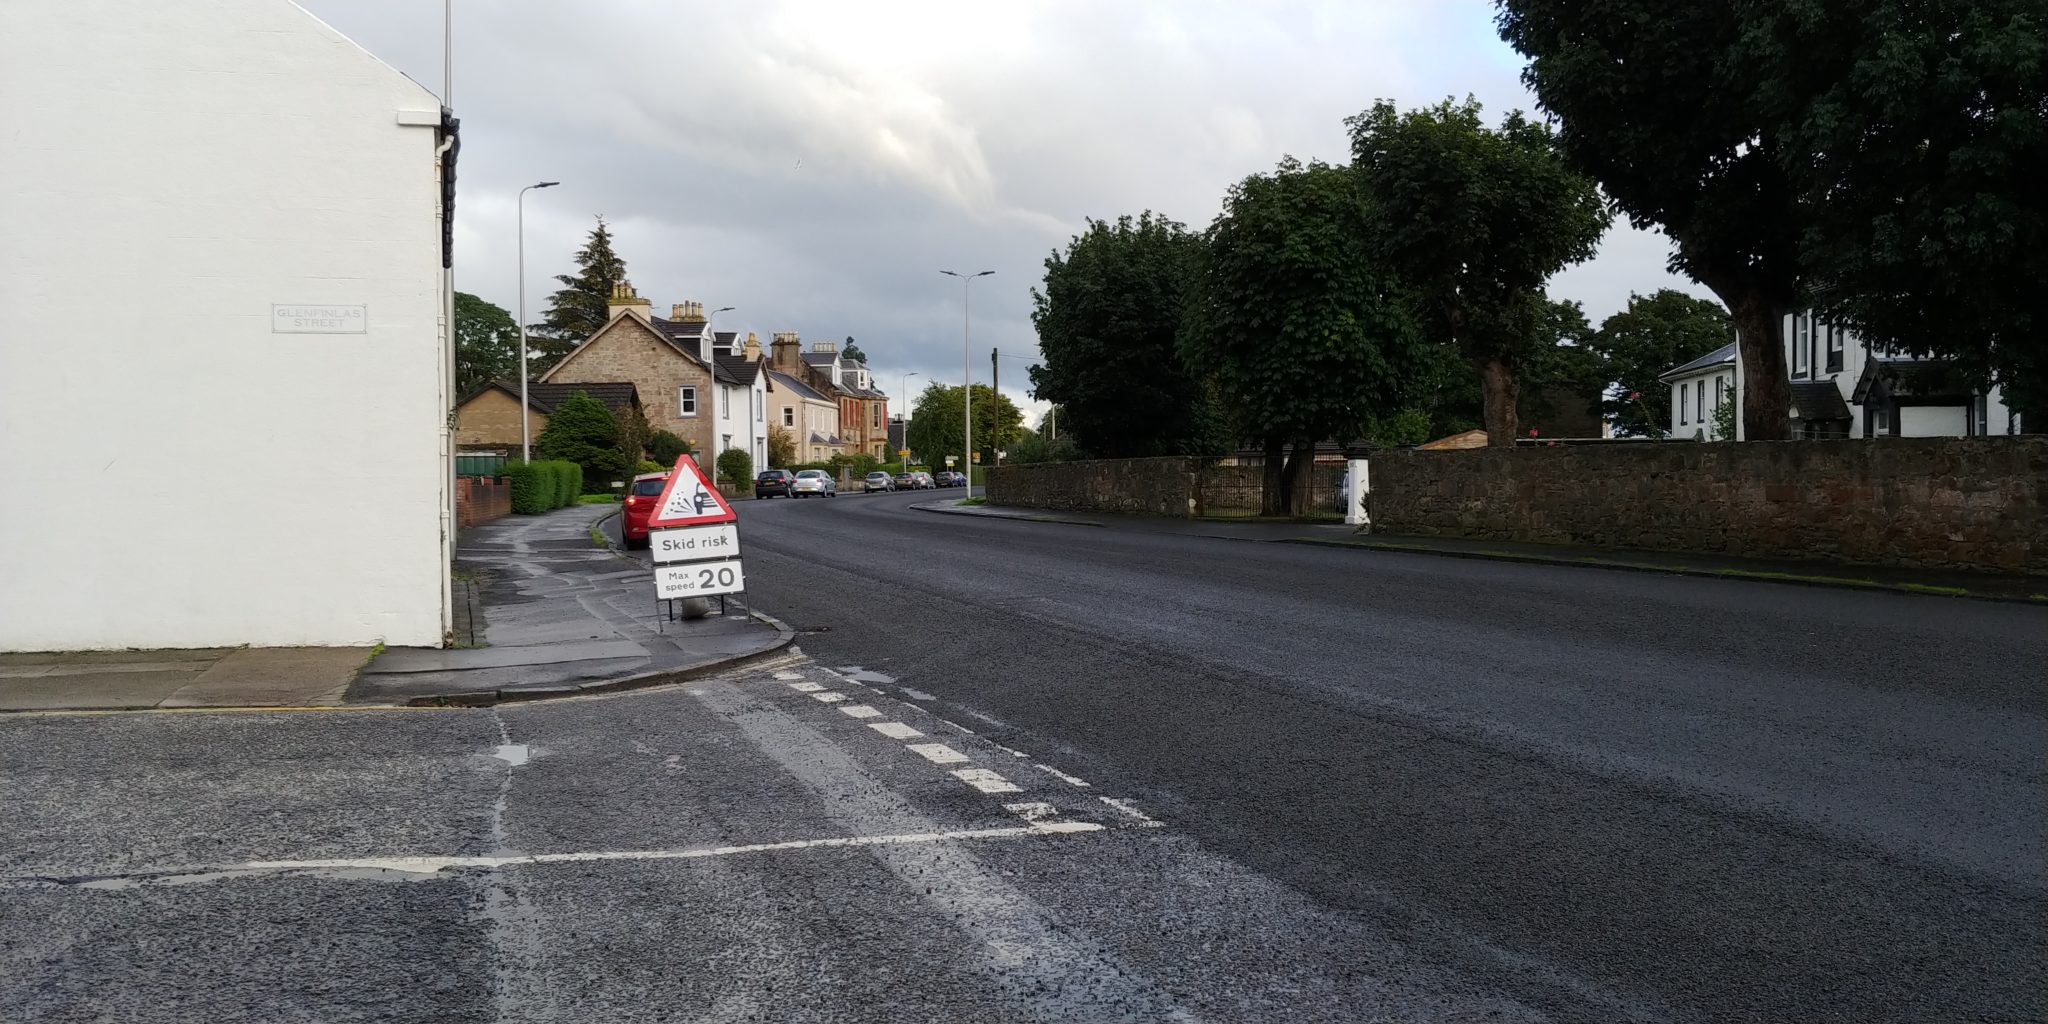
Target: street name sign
695, 543
698, 579
689, 499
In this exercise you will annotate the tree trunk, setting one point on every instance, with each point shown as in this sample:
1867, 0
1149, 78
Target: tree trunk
1301, 492
1502, 390
1273, 486
1290, 478
1766, 390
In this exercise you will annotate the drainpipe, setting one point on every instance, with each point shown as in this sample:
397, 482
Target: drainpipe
444, 161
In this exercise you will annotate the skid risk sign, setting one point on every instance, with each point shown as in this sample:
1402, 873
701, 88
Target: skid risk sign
689, 499
695, 543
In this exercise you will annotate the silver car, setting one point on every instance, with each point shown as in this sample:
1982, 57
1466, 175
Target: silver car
813, 482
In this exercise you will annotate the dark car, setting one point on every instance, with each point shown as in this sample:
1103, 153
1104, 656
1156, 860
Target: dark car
772, 482
952, 479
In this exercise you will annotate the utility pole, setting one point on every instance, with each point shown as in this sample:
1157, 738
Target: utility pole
995, 371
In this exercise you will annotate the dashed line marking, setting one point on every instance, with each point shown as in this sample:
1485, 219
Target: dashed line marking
1124, 805
987, 781
957, 725
1012, 751
828, 697
807, 687
860, 711
938, 753
917, 694
895, 730
785, 676
1060, 775
990, 719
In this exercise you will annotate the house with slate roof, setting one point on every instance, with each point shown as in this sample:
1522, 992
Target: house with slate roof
488, 418
1842, 386
809, 416
692, 382
863, 407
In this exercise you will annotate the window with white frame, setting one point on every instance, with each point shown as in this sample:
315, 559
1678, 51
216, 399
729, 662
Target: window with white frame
760, 404
1684, 401
1718, 383
1802, 342
1832, 341
724, 403
686, 401
1700, 399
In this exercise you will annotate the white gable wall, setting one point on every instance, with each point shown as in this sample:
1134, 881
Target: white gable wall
178, 474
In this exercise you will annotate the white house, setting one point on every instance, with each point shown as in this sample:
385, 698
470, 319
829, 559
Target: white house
740, 416
224, 379
1841, 387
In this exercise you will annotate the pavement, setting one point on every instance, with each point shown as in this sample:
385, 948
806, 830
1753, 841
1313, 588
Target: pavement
543, 611
562, 614
125, 680
1013, 772
1991, 586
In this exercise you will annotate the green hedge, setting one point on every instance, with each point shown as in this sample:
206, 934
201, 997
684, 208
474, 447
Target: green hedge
540, 486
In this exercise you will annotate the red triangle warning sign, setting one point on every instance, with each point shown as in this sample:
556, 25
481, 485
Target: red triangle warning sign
689, 499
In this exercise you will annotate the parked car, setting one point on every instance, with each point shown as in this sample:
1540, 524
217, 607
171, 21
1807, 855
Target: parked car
772, 482
952, 479
877, 481
924, 480
640, 501
814, 482
903, 482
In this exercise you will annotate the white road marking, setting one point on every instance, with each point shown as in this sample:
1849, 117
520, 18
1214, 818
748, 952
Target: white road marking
979, 717
1060, 775
789, 675
860, 711
895, 730
957, 725
807, 687
1132, 812
917, 694
987, 781
1032, 812
828, 697
1013, 752
938, 753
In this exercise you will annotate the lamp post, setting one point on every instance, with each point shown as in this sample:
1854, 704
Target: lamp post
967, 369
904, 390
525, 427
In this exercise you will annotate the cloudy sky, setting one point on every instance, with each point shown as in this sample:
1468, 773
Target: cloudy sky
816, 163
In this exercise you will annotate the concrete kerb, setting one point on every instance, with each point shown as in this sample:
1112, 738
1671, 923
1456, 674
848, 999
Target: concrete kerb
951, 507
1726, 573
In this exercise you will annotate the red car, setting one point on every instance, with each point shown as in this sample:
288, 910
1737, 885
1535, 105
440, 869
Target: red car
640, 501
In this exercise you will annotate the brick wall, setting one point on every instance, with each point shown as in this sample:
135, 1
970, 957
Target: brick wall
480, 499
1173, 486
1977, 503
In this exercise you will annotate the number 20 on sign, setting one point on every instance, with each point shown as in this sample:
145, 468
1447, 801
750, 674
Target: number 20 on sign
699, 579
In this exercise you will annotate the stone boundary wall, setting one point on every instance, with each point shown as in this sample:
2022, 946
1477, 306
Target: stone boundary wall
1971, 503
1179, 487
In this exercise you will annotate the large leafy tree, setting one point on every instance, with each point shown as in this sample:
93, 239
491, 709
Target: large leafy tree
1108, 320
936, 424
1656, 101
1302, 324
852, 351
1564, 378
578, 309
486, 343
1655, 333
1915, 134
583, 431
1477, 219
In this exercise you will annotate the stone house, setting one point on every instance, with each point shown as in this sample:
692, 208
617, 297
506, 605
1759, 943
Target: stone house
488, 419
1842, 386
687, 387
810, 417
863, 408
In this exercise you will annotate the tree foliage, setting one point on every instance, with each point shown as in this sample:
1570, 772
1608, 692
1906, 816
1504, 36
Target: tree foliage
1108, 323
581, 430
1293, 311
781, 447
936, 425
665, 447
736, 467
579, 308
1477, 219
1655, 333
486, 343
1915, 136
852, 351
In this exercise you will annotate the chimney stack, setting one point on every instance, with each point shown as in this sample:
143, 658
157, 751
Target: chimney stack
753, 348
786, 352
687, 312
625, 298
824, 346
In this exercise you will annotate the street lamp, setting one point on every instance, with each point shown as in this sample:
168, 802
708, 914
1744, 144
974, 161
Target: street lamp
525, 428
967, 370
904, 390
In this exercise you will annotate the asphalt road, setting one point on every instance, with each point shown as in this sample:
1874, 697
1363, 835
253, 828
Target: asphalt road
1032, 772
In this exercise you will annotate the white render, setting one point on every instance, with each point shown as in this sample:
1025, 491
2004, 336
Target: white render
741, 418
1806, 361
179, 473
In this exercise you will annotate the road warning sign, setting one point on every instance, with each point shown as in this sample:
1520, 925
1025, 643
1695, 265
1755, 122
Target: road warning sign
689, 499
